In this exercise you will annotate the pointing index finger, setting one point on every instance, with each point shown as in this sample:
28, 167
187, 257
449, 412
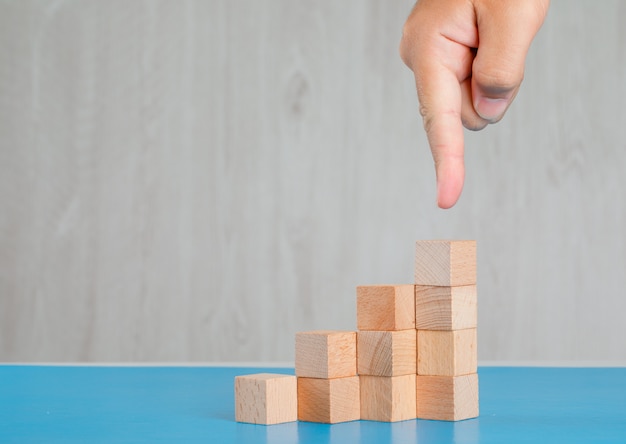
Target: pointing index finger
440, 99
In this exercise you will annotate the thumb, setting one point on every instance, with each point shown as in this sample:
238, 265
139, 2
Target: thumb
505, 31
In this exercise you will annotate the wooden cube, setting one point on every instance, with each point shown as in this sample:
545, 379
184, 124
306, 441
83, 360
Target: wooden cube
445, 308
388, 398
266, 398
329, 400
445, 263
385, 307
446, 353
386, 353
326, 354
447, 398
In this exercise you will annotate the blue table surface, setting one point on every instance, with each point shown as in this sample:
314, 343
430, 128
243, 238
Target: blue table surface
196, 404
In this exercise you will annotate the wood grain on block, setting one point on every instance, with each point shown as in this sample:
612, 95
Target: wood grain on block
329, 400
447, 398
445, 308
386, 353
385, 307
388, 398
326, 354
445, 262
446, 353
266, 398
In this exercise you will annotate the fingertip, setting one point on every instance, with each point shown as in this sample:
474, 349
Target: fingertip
447, 196
450, 180
445, 202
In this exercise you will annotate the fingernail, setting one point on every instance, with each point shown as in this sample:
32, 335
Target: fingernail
491, 109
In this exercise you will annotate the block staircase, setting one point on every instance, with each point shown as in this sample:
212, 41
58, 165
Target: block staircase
414, 354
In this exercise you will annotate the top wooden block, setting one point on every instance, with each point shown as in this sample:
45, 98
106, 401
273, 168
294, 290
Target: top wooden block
326, 354
445, 262
385, 307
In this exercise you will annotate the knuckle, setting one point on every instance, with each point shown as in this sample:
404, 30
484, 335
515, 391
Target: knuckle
498, 79
432, 122
408, 43
405, 53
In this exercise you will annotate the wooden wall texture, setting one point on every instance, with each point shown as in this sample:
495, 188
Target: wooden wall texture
198, 180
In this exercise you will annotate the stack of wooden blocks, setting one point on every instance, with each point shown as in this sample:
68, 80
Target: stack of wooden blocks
414, 354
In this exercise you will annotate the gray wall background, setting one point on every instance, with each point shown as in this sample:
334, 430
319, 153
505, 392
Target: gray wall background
198, 180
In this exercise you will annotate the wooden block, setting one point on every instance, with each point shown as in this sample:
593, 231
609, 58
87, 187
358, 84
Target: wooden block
386, 353
329, 400
445, 308
446, 353
326, 354
447, 398
388, 398
266, 398
385, 307
445, 263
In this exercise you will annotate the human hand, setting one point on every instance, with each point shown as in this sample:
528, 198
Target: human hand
468, 59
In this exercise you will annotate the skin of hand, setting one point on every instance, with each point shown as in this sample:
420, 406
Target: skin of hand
468, 60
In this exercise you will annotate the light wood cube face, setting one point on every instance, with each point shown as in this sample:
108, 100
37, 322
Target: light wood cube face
326, 354
386, 353
447, 353
447, 398
388, 398
445, 263
266, 398
329, 400
385, 307
445, 308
